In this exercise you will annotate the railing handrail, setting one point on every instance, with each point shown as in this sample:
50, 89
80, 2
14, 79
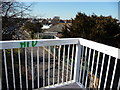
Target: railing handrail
36, 43
109, 50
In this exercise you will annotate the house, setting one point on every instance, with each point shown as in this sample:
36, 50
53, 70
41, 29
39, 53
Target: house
55, 20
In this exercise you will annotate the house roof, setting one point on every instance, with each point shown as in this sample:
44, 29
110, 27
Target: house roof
56, 28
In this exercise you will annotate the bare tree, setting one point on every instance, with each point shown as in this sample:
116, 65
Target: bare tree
12, 16
13, 9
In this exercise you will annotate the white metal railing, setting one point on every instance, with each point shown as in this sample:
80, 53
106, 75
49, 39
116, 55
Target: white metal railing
99, 65
55, 62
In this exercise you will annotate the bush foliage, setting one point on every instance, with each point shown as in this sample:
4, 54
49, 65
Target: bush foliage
97, 28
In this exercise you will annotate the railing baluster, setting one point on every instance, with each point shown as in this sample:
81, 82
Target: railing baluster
59, 63
43, 67
48, 65
67, 63
12, 58
32, 68
84, 65
103, 59
81, 63
107, 72
54, 67
6, 72
38, 67
113, 73
26, 68
96, 67
92, 66
63, 64
88, 68
77, 62
72, 62
20, 68
118, 87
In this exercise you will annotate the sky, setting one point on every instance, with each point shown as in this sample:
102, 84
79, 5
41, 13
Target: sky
68, 10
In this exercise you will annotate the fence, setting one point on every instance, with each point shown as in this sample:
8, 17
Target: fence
55, 62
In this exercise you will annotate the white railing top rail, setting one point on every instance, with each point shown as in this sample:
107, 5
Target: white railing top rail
112, 51
36, 43
109, 50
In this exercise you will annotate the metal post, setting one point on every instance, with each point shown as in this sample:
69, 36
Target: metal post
77, 62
